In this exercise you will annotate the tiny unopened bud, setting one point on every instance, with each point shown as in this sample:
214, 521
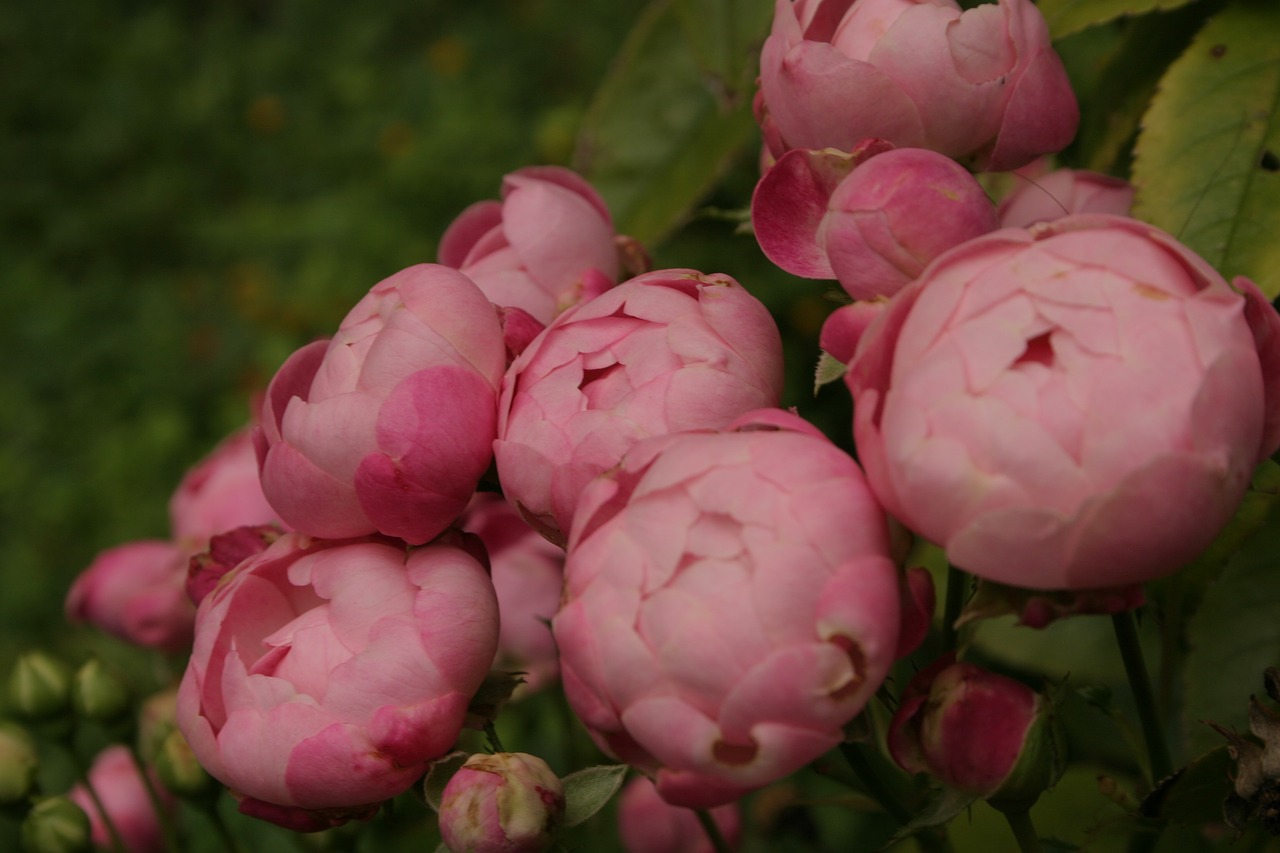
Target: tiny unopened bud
178, 769
99, 694
156, 718
508, 802
18, 762
40, 687
978, 732
56, 825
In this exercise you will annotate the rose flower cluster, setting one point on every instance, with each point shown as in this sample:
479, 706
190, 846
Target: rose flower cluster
1060, 397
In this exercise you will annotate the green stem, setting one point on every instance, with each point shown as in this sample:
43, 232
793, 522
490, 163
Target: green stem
220, 826
1024, 831
876, 787
117, 840
957, 586
929, 839
163, 816
713, 832
1135, 667
491, 734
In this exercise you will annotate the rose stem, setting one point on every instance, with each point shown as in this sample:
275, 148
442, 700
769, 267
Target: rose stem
957, 585
1024, 831
1135, 667
162, 814
713, 832
929, 839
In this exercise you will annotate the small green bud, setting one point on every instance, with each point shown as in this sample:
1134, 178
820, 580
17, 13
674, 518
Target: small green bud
178, 769
156, 718
99, 694
40, 687
56, 825
18, 762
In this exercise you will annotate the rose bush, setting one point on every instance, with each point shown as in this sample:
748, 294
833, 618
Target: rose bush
1077, 405
983, 86
326, 675
388, 427
729, 605
667, 351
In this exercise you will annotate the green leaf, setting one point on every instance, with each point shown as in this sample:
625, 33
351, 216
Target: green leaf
661, 130
1207, 164
830, 369
1193, 794
1115, 72
1233, 637
1069, 16
587, 790
943, 805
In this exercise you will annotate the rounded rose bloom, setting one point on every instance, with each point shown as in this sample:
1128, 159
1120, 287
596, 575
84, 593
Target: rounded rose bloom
388, 427
124, 796
508, 802
1072, 406
872, 219
649, 824
1062, 192
548, 245
221, 493
729, 605
983, 86
136, 592
667, 351
326, 675
527, 573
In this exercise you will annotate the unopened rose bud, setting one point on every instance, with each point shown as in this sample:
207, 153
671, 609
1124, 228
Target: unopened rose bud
56, 825
509, 802
978, 732
18, 762
156, 718
40, 687
98, 694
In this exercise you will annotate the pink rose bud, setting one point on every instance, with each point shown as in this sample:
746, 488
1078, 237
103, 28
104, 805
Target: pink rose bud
508, 802
649, 824
668, 351
729, 605
527, 573
1073, 406
124, 797
219, 494
327, 675
873, 219
1061, 193
136, 592
983, 86
548, 245
389, 426
978, 732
